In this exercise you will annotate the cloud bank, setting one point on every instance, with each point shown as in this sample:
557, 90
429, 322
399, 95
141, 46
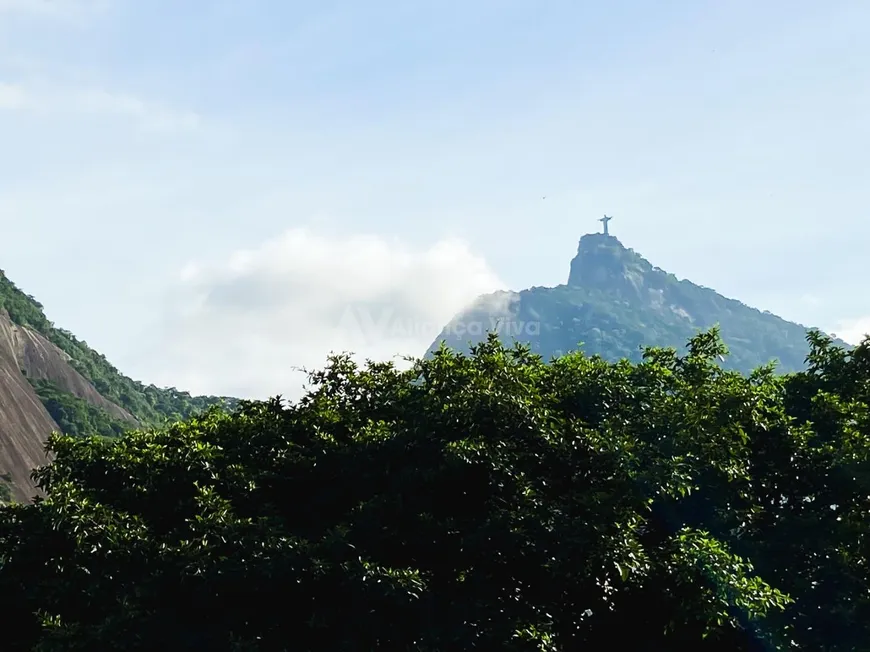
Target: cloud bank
244, 326
853, 331
53, 100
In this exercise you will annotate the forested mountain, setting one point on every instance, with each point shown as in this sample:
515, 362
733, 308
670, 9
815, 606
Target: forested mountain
616, 302
50, 380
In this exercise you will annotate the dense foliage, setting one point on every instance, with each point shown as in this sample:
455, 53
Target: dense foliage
75, 416
489, 501
149, 404
616, 302
5, 488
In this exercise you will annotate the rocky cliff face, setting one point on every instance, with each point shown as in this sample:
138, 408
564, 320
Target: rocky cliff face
40, 359
24, 426
25, 423
616, 302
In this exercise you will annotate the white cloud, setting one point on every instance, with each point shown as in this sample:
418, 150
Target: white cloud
853, 331
53, 8
149, 115
55, 100
12, 97
811, 300
245, 325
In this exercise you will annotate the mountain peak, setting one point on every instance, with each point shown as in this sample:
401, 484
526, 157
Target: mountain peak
616, 302
602, 260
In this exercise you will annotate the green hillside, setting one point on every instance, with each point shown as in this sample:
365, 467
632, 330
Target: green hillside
149, 404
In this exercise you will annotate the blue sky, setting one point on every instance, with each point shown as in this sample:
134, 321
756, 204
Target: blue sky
398, 151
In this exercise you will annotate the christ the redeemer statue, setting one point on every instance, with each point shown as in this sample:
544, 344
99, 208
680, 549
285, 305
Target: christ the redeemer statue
604, 220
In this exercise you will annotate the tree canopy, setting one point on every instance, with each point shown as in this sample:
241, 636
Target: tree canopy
490, 501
